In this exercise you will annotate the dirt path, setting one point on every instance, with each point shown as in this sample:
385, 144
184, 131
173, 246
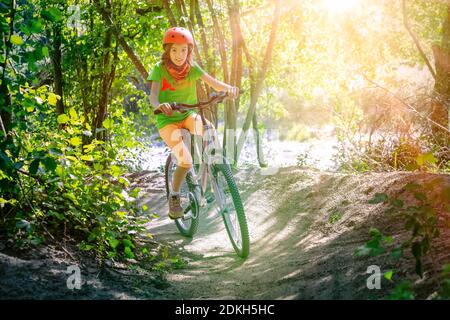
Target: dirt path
304, 224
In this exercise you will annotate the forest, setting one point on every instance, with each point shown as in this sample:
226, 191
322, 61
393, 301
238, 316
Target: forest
339, 145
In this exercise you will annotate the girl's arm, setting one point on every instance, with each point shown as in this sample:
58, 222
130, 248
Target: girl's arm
219, 85
165, 107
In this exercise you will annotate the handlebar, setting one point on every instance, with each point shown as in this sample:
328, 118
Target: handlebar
182, 107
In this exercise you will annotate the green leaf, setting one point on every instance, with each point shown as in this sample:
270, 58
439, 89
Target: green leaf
430, 158
87, 158
135, 192
58, 215
388, 275
420, 196
388, 239
45, 51
115, 171
59, 171
52, 14
402, 292
397, 203
420, 160
113, 242
446, 270
121, 214
397, 253
375, 233
73, 114
108, 123
17, 40
49, 163
93, 235
25, 29
128, 243
129, 253
378, 198
63, 118
75, 141
52, 99
86, 247
36, 26
34, 166
22, 224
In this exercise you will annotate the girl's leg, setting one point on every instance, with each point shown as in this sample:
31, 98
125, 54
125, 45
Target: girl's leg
178, 178
172, 136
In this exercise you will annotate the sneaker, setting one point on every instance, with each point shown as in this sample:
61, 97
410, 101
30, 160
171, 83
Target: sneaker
175, 209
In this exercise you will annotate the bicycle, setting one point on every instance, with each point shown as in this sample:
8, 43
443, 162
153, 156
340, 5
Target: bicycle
225, 190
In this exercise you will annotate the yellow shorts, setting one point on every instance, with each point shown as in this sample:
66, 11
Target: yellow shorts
173, 137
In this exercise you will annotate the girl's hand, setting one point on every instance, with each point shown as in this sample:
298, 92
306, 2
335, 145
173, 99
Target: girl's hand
233, 91
165, 108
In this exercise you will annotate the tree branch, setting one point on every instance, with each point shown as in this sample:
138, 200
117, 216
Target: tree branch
128, 50
416, 41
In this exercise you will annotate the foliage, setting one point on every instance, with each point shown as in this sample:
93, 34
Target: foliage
61, 175
420, 219
445, 285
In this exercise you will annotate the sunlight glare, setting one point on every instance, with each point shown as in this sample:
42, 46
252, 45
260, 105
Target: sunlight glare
339, 6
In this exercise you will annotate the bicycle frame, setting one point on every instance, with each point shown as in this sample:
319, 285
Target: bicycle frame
209, 146
208, 155
212, 163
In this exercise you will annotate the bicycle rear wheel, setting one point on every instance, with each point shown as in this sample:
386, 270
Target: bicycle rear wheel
189, 191
231, 208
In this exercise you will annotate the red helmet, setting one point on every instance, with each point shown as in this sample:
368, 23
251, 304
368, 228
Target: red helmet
178, 35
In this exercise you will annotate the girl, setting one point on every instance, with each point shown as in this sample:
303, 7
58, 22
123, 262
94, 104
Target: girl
174, 80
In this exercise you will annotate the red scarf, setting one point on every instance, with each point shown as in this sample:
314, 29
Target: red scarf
178, 72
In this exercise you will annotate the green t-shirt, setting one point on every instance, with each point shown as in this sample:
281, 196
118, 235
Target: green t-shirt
170, 90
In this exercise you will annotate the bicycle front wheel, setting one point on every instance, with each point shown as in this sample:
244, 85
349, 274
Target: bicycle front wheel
189, 191
231, 209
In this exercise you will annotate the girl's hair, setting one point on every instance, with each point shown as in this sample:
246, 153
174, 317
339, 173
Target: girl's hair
166, 54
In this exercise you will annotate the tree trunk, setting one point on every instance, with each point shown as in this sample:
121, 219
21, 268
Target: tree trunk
57, 72
123, 43
170, 16
260, 79
259, 150
105, 80
441, 102
230, 113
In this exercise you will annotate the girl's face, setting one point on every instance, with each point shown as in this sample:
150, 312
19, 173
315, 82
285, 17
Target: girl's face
178, 53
